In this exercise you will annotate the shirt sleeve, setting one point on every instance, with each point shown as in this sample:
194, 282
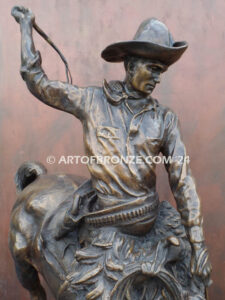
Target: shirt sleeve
57, 94
180, 178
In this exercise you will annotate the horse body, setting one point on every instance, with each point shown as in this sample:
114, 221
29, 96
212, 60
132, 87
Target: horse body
39, 195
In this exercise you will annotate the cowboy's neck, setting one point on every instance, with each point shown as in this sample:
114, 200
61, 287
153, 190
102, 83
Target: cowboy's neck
137, 100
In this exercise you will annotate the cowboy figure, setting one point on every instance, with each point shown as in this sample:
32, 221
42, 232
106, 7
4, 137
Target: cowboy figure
123, 119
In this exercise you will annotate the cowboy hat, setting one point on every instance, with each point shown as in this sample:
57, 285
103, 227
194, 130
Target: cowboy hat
152, 40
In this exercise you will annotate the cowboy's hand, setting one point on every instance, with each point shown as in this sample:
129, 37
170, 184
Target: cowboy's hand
200, 264
21, 13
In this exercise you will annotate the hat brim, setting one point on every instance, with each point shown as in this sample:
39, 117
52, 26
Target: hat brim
167, 55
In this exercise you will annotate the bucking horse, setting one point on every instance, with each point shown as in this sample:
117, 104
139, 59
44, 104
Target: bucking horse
49, 235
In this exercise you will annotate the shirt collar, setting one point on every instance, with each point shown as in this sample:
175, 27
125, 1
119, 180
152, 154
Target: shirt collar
151, 105
116, 92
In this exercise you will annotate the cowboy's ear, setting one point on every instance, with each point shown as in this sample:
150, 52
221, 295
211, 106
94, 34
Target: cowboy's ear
130, 66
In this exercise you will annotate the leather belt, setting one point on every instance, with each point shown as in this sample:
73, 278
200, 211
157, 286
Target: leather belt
139, 210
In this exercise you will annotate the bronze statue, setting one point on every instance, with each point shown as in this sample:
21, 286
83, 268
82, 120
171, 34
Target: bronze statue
109, 237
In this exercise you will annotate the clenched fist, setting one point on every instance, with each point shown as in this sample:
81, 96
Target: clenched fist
21, 13
200, 264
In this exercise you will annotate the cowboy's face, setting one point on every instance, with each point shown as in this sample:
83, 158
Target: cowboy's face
144, 74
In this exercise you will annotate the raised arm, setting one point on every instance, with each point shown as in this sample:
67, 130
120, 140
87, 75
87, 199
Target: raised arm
184, 190
57, 94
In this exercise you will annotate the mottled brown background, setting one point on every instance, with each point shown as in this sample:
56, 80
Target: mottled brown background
194, 88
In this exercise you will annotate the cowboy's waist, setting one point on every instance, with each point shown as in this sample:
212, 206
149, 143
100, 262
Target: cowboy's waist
138, 210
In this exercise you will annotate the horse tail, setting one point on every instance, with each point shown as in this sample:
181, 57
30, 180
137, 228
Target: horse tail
27, 173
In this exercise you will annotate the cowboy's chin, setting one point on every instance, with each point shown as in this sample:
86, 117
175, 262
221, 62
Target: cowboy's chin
147, 89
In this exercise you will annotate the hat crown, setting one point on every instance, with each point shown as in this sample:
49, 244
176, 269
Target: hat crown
154, 31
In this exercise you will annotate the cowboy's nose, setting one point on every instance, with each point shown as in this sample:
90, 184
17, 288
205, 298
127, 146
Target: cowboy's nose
157, 78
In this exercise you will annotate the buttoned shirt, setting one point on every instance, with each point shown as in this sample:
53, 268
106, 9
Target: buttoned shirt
114, 130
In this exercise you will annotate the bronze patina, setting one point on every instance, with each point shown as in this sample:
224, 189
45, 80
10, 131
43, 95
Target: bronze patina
110, 237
